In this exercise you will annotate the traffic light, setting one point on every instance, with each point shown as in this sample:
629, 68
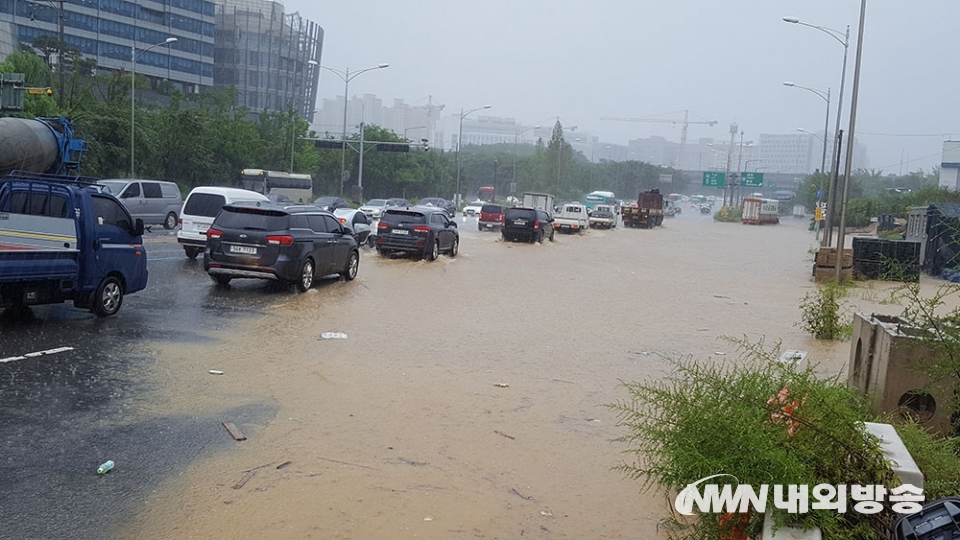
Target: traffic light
389, 147
424, 145
329, 144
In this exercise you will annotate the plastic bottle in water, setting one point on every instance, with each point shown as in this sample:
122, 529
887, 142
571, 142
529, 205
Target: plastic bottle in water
106, 467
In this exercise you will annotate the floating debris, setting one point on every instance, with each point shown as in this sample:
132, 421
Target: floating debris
333, 335
215, 372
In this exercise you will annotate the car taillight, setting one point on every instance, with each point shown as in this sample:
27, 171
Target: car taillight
180, 222
421, 228
214, 234
280, 240
383, 225
503, 220
536, 224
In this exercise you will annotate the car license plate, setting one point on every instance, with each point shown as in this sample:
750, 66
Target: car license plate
401, 231
243, 249
489, 225
519, 222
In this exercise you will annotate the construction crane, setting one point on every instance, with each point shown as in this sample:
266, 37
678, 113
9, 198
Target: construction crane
683, 134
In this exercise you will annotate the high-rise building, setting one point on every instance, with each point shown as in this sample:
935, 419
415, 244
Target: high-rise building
272, 58
112, 31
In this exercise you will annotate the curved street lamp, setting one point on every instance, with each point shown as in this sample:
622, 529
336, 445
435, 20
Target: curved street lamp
845, 41
346, 77
826, 123
133, 88
459, 140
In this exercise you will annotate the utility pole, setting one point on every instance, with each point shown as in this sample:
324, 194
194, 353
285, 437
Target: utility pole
60, 59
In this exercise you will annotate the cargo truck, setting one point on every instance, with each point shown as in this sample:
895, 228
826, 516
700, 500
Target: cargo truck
542, 201
62, 236
760, 211
646, 213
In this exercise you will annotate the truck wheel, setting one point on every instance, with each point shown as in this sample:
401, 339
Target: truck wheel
108, 298
191, 252
170, 222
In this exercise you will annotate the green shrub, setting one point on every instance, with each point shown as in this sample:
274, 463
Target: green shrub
824, 312
860, 212
938, 459
706, 419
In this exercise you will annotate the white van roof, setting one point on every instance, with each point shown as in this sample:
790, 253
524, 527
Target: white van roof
232, 193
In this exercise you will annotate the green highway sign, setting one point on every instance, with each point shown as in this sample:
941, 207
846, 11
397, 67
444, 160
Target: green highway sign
752, 179
714, 179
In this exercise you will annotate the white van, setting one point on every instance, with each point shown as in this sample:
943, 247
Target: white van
200, 207
153, 201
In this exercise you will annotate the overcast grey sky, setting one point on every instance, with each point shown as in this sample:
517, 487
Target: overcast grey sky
722, 60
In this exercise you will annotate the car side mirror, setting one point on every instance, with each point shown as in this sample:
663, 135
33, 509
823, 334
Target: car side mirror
138, 227
452, 224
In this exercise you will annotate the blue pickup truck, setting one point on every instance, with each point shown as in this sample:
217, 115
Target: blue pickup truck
62, 238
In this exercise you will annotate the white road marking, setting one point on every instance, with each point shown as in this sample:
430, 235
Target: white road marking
36, 354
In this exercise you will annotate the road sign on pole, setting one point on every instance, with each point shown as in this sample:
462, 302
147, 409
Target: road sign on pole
752, 179
714, 179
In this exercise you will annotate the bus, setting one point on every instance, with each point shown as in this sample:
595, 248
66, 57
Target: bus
600, 197
486, 194
297, 187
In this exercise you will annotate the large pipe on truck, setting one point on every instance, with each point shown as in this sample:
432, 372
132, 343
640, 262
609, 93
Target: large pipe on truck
41, 145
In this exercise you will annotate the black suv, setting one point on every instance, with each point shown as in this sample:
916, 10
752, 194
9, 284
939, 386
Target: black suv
424, 231
531, 224
285, 243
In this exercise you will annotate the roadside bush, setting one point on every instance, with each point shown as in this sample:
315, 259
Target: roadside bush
939, 459
728, 215
860, 211
824, 312
760, 422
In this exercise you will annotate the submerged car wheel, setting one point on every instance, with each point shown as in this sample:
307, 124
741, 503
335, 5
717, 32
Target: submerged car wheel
552, 233
455, 248
109, 297
170, 222
306, 276
434, 251
353, 265
221, 280
192, 252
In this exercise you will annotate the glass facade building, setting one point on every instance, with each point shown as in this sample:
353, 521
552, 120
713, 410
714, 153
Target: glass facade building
272, 58
109, 30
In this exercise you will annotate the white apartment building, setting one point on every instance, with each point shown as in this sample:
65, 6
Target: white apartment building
950, 165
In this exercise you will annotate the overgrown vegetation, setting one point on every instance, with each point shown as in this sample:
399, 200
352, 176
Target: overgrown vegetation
728, 215
824, 313
759, 421
938, 458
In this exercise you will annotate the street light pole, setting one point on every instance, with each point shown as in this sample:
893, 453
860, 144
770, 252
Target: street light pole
850, 142
834, 161
826, 122
346, 77
133, 89
459, 143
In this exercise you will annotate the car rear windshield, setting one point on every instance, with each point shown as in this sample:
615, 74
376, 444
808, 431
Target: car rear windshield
252, 219
520, 213
204, 204
399, 217
491, 209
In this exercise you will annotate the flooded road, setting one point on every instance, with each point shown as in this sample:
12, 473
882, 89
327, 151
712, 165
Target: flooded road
467, 400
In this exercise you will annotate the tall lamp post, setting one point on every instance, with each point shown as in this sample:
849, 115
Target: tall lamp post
850, 141
516, 140
133, 89
832, 195
346, 77
826, 122
459, 138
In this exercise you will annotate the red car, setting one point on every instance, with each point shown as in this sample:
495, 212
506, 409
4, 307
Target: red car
491, 217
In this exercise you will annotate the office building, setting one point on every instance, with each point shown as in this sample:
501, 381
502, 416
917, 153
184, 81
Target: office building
108, 31
271, 57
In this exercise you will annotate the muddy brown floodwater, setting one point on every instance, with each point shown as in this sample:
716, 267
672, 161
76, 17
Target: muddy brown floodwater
468, 398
